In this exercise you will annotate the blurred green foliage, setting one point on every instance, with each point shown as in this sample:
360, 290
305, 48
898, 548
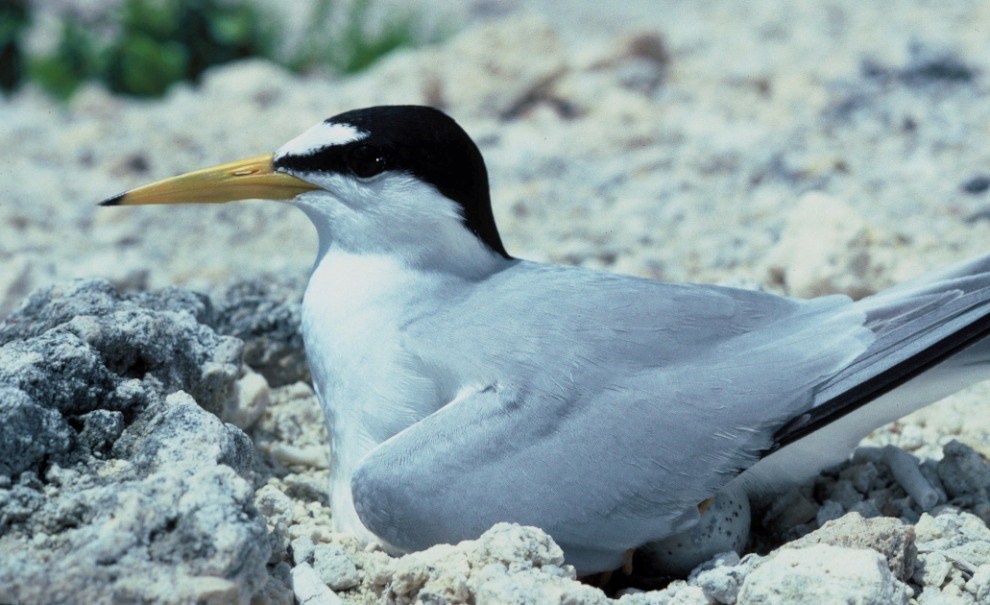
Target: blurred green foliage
159, 42
14, 19
340, 36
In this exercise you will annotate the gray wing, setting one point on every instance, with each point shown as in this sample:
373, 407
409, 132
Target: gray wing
610, 447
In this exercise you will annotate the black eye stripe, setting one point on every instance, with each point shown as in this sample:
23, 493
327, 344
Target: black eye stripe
359, 159
326, 159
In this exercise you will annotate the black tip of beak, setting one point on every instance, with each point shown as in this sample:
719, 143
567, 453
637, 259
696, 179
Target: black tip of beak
113, 201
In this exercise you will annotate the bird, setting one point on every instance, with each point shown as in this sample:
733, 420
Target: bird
463, 387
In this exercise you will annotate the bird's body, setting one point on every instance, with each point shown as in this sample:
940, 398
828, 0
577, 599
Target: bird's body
535, 442
463, 387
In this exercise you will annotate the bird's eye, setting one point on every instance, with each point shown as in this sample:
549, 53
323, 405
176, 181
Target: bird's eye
365, 162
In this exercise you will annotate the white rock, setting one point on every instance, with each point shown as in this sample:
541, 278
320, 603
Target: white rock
933, 596
493, 586
961, 537
931, 569
825, 247
979, 584
15, 282
303, 549
518, 547
484, 72
250, 401
823, 574
313, 456
677, 593
309, 589
508, 563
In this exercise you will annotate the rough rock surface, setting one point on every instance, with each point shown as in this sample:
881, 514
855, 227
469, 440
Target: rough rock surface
116, 484
888, 536
824, 574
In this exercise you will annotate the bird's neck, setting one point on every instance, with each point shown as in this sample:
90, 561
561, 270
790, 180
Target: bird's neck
445, 246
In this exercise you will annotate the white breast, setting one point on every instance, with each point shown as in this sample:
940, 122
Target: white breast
370, 382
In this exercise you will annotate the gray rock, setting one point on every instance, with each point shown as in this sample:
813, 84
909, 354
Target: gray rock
867, 509
722, 577
891, 538
335, 567
862, 476
29, 433
264, 313
100, 429
823, 574
929, 470
846, 494
118, 485
963, 470
829, 511
789, 509
17, 504
74, 345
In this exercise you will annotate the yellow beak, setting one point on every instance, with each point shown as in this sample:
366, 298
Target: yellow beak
252, 178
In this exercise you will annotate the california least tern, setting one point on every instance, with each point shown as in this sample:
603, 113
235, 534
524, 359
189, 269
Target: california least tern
464, 387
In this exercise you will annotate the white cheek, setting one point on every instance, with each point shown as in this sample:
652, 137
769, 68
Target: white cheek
320, 136
343, 189
411, 197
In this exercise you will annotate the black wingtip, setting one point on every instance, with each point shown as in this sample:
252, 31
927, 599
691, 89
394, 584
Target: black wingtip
113, 201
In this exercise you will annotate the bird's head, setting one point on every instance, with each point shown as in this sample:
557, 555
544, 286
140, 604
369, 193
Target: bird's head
391, 179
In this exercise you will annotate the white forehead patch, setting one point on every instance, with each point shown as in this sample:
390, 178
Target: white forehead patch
320, 136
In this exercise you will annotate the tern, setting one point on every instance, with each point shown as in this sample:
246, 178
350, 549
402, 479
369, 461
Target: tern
464, 387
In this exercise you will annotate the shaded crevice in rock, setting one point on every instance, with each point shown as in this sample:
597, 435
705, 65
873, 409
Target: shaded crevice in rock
264, 312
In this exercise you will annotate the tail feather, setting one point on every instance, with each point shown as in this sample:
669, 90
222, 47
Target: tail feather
898, 355
932, 339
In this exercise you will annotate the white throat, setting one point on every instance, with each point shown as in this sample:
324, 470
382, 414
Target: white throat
397, 217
